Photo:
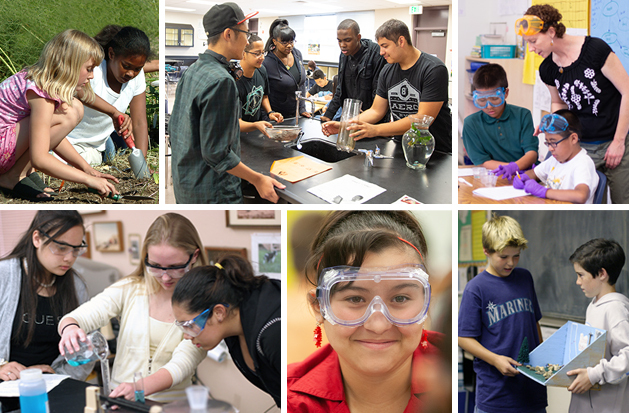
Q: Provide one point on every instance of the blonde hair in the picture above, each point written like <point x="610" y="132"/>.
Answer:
<point x="59" y="66"/>
<point x="501" y="232"/>
<point x="178" y="232"/>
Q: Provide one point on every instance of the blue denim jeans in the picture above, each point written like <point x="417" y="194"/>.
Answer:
<point x="110" y="151"/>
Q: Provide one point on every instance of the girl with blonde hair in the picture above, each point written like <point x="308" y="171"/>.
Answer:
<point x="39" y="106"/>
<point x="149" y="341"/>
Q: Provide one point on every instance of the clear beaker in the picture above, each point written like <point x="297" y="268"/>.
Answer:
<point x="351" y="110"/>
<point x="94" y="348"/>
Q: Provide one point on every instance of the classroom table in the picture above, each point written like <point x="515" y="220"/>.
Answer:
<point x="466" y="195"/>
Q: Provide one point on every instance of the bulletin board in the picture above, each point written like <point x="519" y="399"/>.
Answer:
<point x="610" y="22"/>
<point x="471" y="237"/>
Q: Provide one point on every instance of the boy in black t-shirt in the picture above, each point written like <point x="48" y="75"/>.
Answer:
<point x="253" y="89"/>
<point x="322" y="85"/>
<point x="413" y="83"/>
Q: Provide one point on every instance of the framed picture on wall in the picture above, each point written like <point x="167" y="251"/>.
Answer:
<point x="135" y="247"/>
<point x="255" y="218"/>
<point x="108" y="236"/>
<point x="88" y="253"/>
<point x="214" y="254"/>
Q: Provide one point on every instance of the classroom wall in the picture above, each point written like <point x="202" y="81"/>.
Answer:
<point x="200" y="39"/>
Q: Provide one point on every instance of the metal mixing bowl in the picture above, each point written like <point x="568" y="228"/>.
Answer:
<point x="283" y="133"/>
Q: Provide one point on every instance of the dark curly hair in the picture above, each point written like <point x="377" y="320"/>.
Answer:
<point x="550" y="16"/>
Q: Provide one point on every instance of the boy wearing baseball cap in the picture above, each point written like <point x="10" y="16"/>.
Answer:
<point x="204" y="128"/>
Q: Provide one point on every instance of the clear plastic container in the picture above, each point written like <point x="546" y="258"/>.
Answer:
<point x="33" y="395"/>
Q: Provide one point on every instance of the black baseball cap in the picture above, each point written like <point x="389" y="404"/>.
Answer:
<point x="222" y="16"/>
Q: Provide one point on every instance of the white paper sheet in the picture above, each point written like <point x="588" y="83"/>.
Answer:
<point x="466" y="171"/>
<point x="346" y="190"/>
<point x="500" y="193"/>
<point x="10" y="388"/>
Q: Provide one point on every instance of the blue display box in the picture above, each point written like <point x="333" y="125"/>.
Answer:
<point x="573" y="346"/>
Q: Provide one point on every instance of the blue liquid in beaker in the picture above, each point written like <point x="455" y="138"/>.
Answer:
<point x="139" y="396"/>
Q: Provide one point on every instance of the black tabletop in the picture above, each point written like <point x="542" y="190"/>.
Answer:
<point x="432" y="185"/>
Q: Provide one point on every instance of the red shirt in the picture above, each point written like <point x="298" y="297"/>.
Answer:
<point x="316" y="384"/>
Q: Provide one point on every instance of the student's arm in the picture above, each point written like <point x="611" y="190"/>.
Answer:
<point x="266" y="105"/>
<point x="578" y="195"/>
<point x="364" y="128"/>
<point x="156" y="382"/>
<point x="151" y="66"/>
<point x="616" y="73"/>
<point x="101" y="105"/>
<point x="265" y="185"/>
<point x="137" y="108"/>
<point x="504" y="364"/>
<point x="260" y="125"/>
<point x="40" y="144"/>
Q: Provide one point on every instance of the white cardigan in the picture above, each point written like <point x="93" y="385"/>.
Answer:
<point x="129" y="300"/>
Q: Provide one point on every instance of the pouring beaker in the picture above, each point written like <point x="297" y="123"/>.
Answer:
<point x="351" y="110"/>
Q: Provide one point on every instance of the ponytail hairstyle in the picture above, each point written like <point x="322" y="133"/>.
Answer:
<point x="124" y="41"/>
<point x="54" y="223"/>
<point x="550" y="16"/>
<point x="178" y="232"/>
<point x="346" y="237"/>
<point x="59" y="66"/>
<point x="203" y="287"/>
<point x="280" y="31"/>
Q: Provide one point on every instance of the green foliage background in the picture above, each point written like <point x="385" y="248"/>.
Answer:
<point x="26" y="25"/>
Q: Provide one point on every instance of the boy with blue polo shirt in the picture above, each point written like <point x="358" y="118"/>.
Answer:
<point x="499" y="135"/>
<point x="498" y="311"/>
<point x="598" y="264"/>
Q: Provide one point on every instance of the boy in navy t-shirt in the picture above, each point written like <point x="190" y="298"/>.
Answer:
<point x="499" y="309"/>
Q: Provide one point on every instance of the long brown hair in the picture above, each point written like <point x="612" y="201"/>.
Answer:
<point x="55" y="224"/>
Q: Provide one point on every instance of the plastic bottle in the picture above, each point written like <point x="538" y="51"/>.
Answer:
<point x="33" y="396"/>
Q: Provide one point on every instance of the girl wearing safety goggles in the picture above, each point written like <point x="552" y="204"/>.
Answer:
<point x="584" y="75"/>
<point x="569" y="174"/>
<point x="227" y="301"/>
<point x="372" y="294"/>
<point x="148" y="341"/>
<point x="38" y="283"/>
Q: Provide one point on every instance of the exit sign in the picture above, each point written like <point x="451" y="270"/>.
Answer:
<point x="416" y="10"/>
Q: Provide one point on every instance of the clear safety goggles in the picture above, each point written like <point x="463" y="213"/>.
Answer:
<point x="350" y="295"/>
<point x="553" y="123"/>
<point x="528" y="26"/>
<point x="493" y="98"/>
<point x="63" y="248"/>
<point x="194" y="327"/>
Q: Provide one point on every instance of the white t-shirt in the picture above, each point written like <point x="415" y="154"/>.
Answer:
<point x="96" y="127"/>
<point x="567" y="175"/>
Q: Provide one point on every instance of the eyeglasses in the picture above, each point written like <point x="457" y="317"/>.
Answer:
<point x="290" y="42"/>
<point x="248" y="33"/>
<point x="194" y="327"/>
<point x="256" y="54"/>
<point x="63" y="248"/>
<point x="176" y="271"/>
<point x="554" y="144"/>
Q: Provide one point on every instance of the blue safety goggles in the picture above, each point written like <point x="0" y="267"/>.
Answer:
<point x="493" y="98"/>
<point x="553" y="123"/>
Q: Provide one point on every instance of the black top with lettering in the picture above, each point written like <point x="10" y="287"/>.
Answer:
<point x="426" y="81"/>
<point x="43" y="348"/>
<point x="251" y="91"/>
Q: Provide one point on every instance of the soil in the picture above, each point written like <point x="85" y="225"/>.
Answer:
<point x="73" y="193"/>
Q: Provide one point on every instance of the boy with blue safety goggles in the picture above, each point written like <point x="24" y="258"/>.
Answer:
<point x="569" y="174"/>
<point x="500" y="136"/>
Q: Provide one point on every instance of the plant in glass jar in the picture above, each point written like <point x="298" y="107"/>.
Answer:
<point x="418" y="143"/>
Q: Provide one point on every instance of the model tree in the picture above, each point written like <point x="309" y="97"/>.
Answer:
<point x="523" y="357"/>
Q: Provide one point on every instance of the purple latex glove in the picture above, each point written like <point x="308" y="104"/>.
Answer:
<point x="507" y="171"/>
<point x="535" y="189"/>
<point x="518" y="183"/>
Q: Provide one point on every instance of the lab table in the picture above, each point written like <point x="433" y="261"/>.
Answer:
<point x="432" y="185"/>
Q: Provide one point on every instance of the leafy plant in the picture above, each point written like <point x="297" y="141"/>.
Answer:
<point x="419" y="138"/>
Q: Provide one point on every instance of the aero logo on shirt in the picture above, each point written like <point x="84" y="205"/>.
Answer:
<point x="498" y="312"/>
<point x="404" y="100"/>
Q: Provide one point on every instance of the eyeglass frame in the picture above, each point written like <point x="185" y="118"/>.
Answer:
<point x="76" y="249"/>
<point x="554" y="144"/>
<point x="286" y="43"/>
<point x="205" y="315"/>
<point x="256" y="55"/>
<point x="166" y="269"/>
<point x="247" y="32"/>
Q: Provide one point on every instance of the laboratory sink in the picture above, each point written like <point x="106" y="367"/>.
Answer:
<point x="323" y="150"/>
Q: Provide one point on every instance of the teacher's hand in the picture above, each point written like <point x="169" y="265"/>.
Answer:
<point x="614" y="154"/>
